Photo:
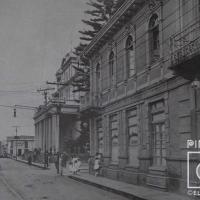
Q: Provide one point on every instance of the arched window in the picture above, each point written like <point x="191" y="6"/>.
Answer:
<point x="154" y="43"/>
<point x="130" y="57"/>
<point x="98" y="77"/>
<point x="111" y="64"/>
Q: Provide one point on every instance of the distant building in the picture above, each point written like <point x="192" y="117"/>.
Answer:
<point x="141" y="115"/>
<point x="18" y="145"/>
<point x="57" y="123"/>
<point x="4" y="148"/>
<point x="1" y="148"/>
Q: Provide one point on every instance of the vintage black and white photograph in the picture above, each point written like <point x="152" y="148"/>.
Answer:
<point x="99" y="99"/>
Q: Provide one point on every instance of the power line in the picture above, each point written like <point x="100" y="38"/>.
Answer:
<point x="45" y="93"/>
<point x="18" y="91"/>
<point x="19" y="107"/>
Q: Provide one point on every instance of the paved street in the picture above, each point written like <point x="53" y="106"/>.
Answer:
<point x="19" y="181"/>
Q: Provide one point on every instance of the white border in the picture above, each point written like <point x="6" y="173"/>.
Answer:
<point x="188" y="169"/>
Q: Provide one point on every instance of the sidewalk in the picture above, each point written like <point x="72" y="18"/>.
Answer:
<point x="127" y="190"/>
<point x="39" y="165"/>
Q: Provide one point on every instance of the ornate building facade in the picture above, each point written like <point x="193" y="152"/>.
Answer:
<point x="57" y="122"/>
<point x="142" y="114"/>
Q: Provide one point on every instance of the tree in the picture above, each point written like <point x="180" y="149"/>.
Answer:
<point x="99" y="15"/>
<point x="117" y="5"/>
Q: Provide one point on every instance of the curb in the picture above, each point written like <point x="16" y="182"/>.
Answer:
<point x="33" y="164"/>
<point x="106" y="188"/>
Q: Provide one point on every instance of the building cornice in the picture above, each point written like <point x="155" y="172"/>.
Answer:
<point x="52" y="109"/>
<point x="127" y="10"/>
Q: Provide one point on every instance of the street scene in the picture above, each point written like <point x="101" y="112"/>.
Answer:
<point x="21" y="182"/>
<point x="99" y="99"/>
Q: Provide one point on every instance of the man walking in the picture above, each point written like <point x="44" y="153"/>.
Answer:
<point x="56" y="161"/>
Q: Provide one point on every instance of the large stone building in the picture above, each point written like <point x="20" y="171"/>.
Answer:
<point x="57" y="121"/>
<point x="141" y="114"/>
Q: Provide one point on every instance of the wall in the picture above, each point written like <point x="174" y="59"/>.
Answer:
<point x="152" y="82"/>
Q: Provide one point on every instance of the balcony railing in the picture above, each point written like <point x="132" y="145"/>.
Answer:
<point x="186" y="44"/>
<point x="89" y="101"/>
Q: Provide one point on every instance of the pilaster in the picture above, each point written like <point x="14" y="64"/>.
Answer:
<point x="122" y="139"/>
<point x="92" y="138"/>
<point x="106" y="140"/>
<point x="56" y="132"/>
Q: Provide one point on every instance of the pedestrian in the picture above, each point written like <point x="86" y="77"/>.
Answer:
<point x="56" y="161"/>
<point x="29" y="159"/>
<point x="61" y="163"/>
<point x="91" y="164"/>
<point x="70" y="166"/>
<point x="100" y="163"/>
<point x="74" y="164"/>
<point x="46" y="159"/>
<point x="97" y="164"/>
<point x="78" y="164"/>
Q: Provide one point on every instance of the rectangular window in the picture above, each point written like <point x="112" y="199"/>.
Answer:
<point x="133" y="139"/>
<point x="114" y="131"/>
<point x="105" y="75"/>
<point x="26" y="144"/>
<point x="158" y="133"/>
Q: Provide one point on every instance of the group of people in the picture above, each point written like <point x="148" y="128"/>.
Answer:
<point x="74" y="165"/>
<point x="61" y="160"/>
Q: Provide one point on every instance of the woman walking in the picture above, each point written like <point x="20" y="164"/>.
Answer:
<point x="97" y="165"/>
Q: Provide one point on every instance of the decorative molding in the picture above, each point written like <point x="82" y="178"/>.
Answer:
<point x="129" y="27"/>
<point x="154" y="4"/>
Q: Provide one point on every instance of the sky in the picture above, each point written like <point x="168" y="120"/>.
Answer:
<point x="34" y="37"/>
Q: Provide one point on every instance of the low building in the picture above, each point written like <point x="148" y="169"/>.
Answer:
<point x="141" y="115"/>
<point x="1" y="148"/>
<point x="57" y="123"/>
<point x="4" y="148"/>
<point x="19" y="145"/>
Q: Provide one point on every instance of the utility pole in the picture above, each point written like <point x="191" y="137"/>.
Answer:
<point x="45" y="93"/>
<point x="63" y="84"/>
<point x="16" y="137"/>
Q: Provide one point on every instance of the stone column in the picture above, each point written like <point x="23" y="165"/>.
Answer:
<point x="50" y="133"/>
<point x="92" y="138"/>
<point x="45" y="134"/>
<point x="56" y="131"/>
<point x="41" y="134"/>
<point x="122" y="139"/>
<point x="96" y="137"/>
<point x="36" y="136"/>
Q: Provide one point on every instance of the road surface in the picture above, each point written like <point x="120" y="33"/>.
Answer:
<point x="19" y="181"/>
